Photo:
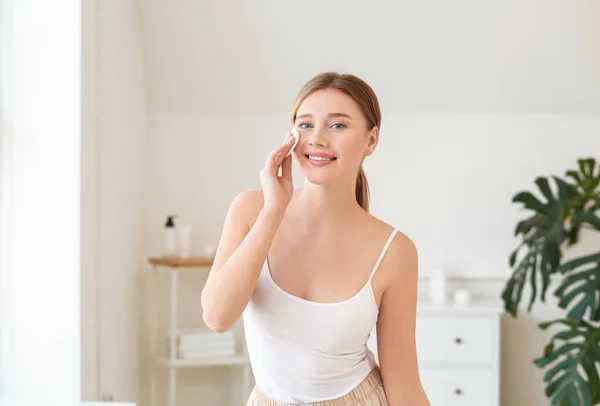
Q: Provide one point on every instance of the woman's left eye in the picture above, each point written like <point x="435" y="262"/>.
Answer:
<point x="337" y="126"/>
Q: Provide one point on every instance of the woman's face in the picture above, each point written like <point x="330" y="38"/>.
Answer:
<point x="334" y="137"/>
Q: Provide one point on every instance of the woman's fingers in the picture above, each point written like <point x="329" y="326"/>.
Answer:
<point x="286" y="167"/>
<point x="278" y="154"/>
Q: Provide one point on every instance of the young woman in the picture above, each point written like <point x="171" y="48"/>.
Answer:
<point x="312" y="272"/>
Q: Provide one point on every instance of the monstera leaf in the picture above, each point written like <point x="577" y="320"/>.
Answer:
<point x="587" y="201"/>
<point x="555" y="220"/>
<point x="542" y="233"/>
<point x="572" y="373"/>
<point x="586" y="180"/>
<point x="580" y="289"/>
<point x="588" y="216"/>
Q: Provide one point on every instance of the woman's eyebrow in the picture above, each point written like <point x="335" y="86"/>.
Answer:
<point x="328" y="115"/>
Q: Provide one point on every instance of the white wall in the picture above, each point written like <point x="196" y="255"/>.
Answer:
<point x="469" y="56"/>
<point x="89" y="203"/>
<point x="120" y="146"/>
<point x="40" y="141"/>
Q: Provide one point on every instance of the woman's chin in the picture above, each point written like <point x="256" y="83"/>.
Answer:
<point x="321" y="179"/>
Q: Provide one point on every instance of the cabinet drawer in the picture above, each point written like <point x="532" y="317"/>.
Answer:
<point x="454" y="339"/>
<point x="458" y="387"/>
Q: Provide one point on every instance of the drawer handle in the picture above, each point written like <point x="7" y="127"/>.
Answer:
<point x="458" y="340"/>
<point x="458" y="391"/>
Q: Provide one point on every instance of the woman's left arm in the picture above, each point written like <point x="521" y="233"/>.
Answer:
<point x="396" y="341"/>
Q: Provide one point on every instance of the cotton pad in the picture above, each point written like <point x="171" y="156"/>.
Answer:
<point x="297" y="137"/>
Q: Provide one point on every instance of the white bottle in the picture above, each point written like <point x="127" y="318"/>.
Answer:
<point x="437" y="286"/>
<point x="170" y="238"/>
<point x="184" y="236"/>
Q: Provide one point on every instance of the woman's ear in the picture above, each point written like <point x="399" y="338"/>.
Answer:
<point x="373" y="139"/>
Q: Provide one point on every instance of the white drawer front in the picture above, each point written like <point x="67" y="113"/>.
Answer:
<point x="454" y="339"/>
<point x="458" y="387"/>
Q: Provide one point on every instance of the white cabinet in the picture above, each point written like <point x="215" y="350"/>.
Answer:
<point x="458" y="348"/>
<point x="458" y="387"/>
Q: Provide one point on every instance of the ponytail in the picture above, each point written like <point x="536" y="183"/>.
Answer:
<point x="362" y="190"/>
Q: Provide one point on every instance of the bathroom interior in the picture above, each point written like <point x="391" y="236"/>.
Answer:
<point x="172" y="110"/>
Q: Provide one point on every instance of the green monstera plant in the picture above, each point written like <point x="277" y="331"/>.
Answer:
<point x="571" y="361"/>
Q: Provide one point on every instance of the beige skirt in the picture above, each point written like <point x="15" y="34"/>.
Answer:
<point x="369" y="392"/>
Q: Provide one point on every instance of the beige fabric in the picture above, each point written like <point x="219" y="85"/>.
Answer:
<point x="369" y="392"/>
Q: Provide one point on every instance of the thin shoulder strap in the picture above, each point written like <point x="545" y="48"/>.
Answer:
<point x="385" y="248"/>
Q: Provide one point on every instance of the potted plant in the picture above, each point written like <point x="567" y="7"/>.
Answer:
<point x="571" y="360"/>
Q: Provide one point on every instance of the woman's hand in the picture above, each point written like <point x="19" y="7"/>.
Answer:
<point x="278" y="189"/>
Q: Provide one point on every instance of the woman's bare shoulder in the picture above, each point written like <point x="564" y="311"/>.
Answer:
<point x="401" y="250"/>
<point x="248" y="204"/>
<point x="251" y="202"/>
<point x="379" y="226"/>
<point x="251" y="197"/>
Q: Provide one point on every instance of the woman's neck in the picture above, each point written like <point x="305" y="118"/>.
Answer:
<point x="326" y="207"/>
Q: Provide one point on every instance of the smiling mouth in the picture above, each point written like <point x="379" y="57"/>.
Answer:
<point x="319" y="158"/>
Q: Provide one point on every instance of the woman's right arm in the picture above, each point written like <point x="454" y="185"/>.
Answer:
<point x="238" y="262"/>
<point x="248" y="232"/>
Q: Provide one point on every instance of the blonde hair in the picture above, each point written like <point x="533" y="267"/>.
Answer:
<point x="366" y="99"/>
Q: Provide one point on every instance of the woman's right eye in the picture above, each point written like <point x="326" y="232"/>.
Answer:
<point x="303" y="125"/>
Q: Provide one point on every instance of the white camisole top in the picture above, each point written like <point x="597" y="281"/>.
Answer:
<point x="303" y="351"/>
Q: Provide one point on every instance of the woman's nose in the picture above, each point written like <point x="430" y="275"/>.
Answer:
<point x="317" y="137"/>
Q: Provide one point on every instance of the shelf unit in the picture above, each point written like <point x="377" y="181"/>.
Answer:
<point x="174" y="265"/>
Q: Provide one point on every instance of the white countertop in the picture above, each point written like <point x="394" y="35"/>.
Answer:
<point x="475" y="306"/>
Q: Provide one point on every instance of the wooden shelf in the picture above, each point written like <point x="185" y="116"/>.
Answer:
<point x="161" y="359"/>
<point x="204" y="362"/>
<point x="177" y="262"/>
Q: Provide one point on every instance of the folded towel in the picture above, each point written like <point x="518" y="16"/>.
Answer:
<point x="193" y="346"/>
<point x="206" y="338"/>
<point x="201" y="343"/>
<point x="225" y="352"/>
<point x="202" y="336"/>
<point x="197" y="331"/>
<point x="200" y="333"/>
